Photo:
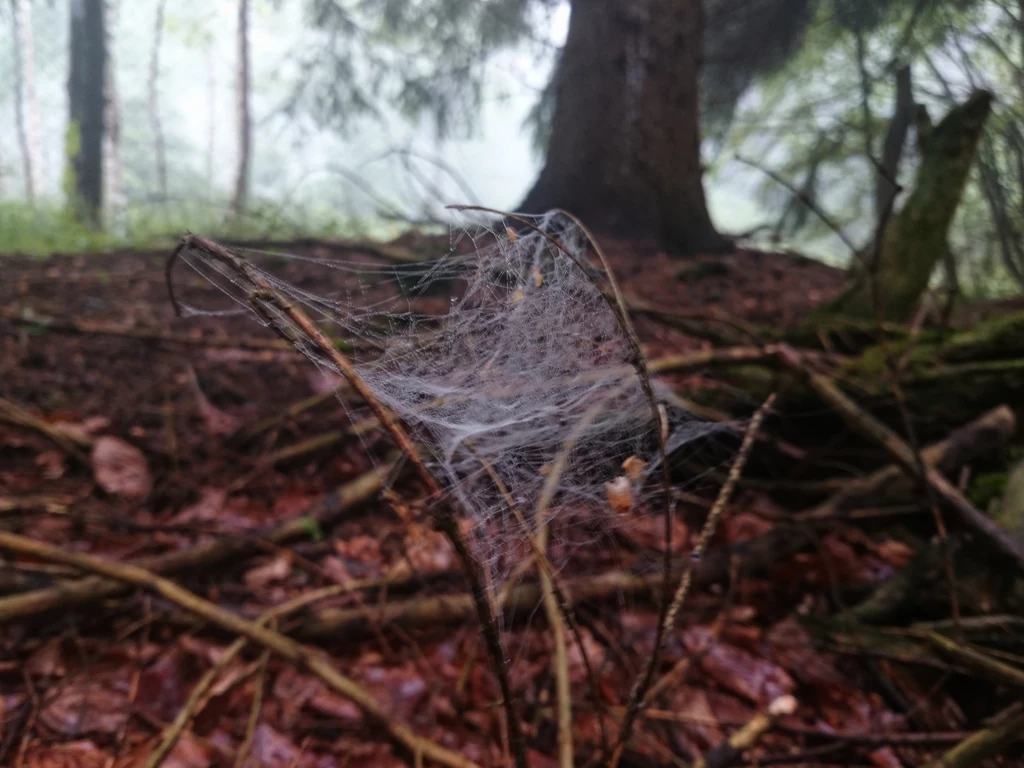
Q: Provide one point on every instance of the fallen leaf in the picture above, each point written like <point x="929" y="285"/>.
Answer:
<point x="217" y="422"/>
<point x="120" y="468"/>
<point x="270" y="747"/>
<point x="209" y="506"/>
<point x="338" y="708"/>
<point x="275" y="570"/>
<point x="75" y="754"/>
<point x="48" y="661"/>
<point x="753" y="677"/>
<point x="87" y="706"/>
<point x="620" y="494"/>
<point x="428" y="553"/>
<point x="52" y="463"/>
<point x="634" y="468"/>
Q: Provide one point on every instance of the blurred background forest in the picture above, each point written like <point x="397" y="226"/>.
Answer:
<point x="315" y="117"/>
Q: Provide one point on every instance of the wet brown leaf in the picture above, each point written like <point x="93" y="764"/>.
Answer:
<point x="120" y="468"/>
<point x="76" y="754"/>
<point x="753" y="677"/>
<point x="272" y="748"/>
<point x="274" y="570"/>
<point x="87" y="706"/>
<point x="52" y="463"/>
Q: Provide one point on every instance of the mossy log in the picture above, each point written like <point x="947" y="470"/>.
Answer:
<point x="891" y="281"/>
<point x="948" y="379"/>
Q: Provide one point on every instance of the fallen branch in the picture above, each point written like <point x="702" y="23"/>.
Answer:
<point x="92" y="328"/>
<point x="994" y="428"/>
<point x="869" y="427"/>
<point x="756" y="555"/>
<point x="72" y="444"/>
<point x="308" y="659"/>
<point x="322" y="514"/>
<point x="981" y="745"/>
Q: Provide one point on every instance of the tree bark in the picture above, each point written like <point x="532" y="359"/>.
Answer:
<point x="86" y="83"/>
<point x="153" y="102"/>
<point x="26" y="104"/>
<point x="915" y="239"/>
<point x="624" y="153"/>
<point x="238" y="200"/>
<point x="114" y="166"/>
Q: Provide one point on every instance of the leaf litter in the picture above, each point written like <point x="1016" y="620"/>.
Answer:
<point x="163" y="469"/>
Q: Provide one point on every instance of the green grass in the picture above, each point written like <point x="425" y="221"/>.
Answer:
<point x="44" y="229"/>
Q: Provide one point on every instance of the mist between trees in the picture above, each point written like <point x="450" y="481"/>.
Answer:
<point x="320" y="117"/>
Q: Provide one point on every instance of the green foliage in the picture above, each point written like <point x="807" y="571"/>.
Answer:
<point x="819" y="114"/>
<point x="427" y="58"/>
<point x="42" y="229"/>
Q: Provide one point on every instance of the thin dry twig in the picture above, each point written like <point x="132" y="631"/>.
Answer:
<point x="193" y="704"/>
<point x="748" y="735"/>
<point x="981" y="745"/>
<point x="254" y="711"/>
<point x="321" y="514"/>
<point x="310" y="660"/>
<point x="72" y="444"/>
<point x="803" y="198"/>
<point x="711" y="524"/>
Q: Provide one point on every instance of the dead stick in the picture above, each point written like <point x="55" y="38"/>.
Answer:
<point x="747" y="736"/>
<point x="868" y="426"/>
<point x="70" y="443"/>
<point x="272" y="307"/>
<point x="981" y="745"/>
<point x="638" y="696"/>
<point x="306" y="658"/>
<point x="992" y="429"/>
<point x="756" y="555"/>
<point x="92" y="589"/>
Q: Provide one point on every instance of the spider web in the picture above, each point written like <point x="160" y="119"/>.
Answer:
<point x="502" y="356"/>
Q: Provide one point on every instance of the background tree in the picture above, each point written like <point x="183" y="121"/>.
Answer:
<point x="153" y="102"/>
<point x="86" y="85"/>
<point x="630" y="68"/>
<point x="624" y="152"/>
<point x="243" y="116"/>
<point x="26" y="102"/>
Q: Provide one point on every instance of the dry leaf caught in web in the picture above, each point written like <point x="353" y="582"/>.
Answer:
<point x="620" y="494"/>
<point x="634" y="468"/>
<point x="120" y="468"/>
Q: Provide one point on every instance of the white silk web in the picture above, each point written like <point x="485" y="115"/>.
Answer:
<point x="524" y="362"/>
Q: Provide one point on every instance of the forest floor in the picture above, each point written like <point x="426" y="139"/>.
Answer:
<point x="135" y="436"/>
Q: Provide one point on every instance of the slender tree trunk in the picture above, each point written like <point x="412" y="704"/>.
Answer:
<point x="86" y="80"/>
<point x="895" y="138"/>
<point x="26" y="103"/>
<point x="211" y="112"/>
<point x="242" y="170"/>
<point x="624" y="153"/>
<point x="153" y="100"/>
<point x="114" y="166"/>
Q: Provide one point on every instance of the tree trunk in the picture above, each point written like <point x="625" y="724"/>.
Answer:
<point x="244" y="119"/>
<point x="26" y="104"/>
<point x="624" y="153"/>
<point x="86" y="82"/>
<point x="914" y="240"/>
<point x="114" y="171"/>
<point x="153" y="102"/>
